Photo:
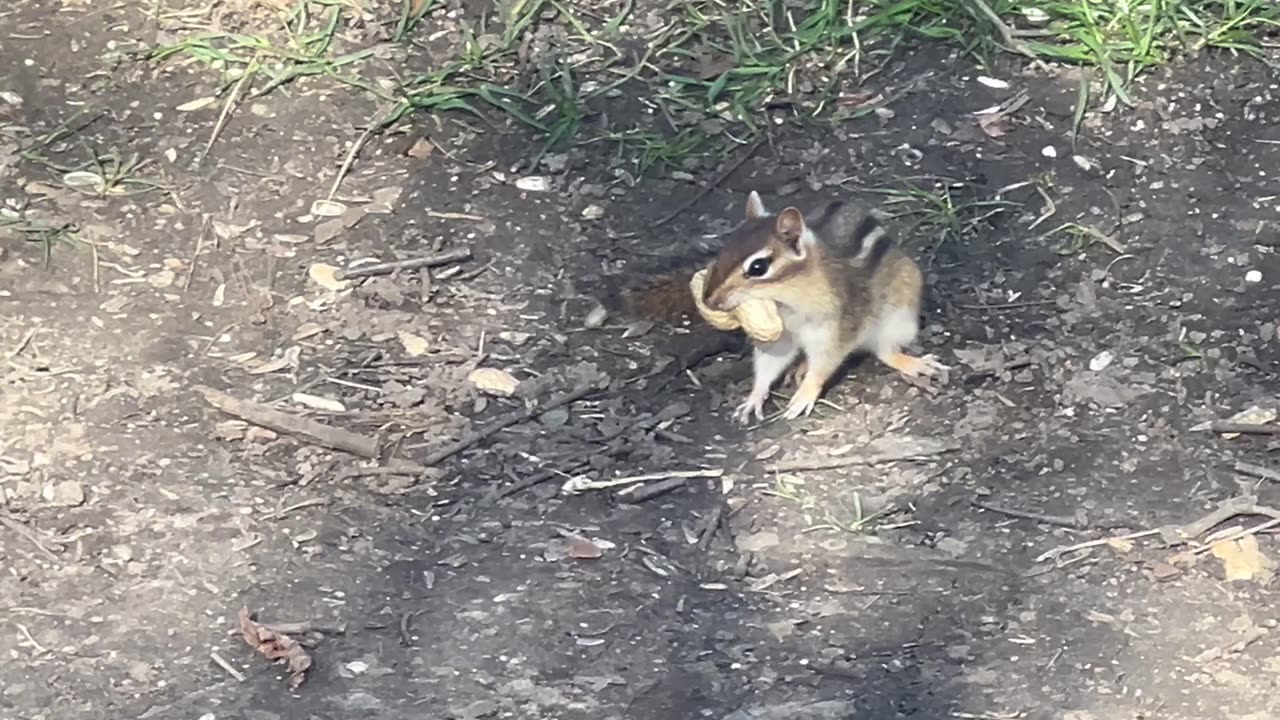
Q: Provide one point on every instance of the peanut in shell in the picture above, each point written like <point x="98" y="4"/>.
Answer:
<point x="759" y="319"/>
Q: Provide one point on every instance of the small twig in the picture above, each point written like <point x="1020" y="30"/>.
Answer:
<point x="313" y="502"/>
<point x="27" y="337"/>
<point x="1223" y="426"/>
<point x="709" y="527"/>
<point x="641" y="493"/>
<point x="496" y="493"/>
<point x="355" y="150"/>
<point x="582" y="484"/>
<point x="40" y="649"/>
<point x="1006" y="306"/>
<point x="97" y="268"/>
<point x="453" y="216"/>
<point x="1060" y="551"/>
<point x="1257" y="471"/>
<point x="305" y="626"/>
<point x="873" y="458"/>
<point x="503" y="423"/>
<point x="398" y="468"/>
<point x="301" y="427"/>
<point x="406" y="639"/>
<point x="1232" y="537"/>
<point x="220" y="662"/>
<point x="1050" y="208"/>
<point x="1235" y="507"/>
<point x="29" y="535"/>
<point x="195" y="257"/>
<point x="232" y="100"/>
<point x="386" y="268"/>
<point x="720" y="177"/>
<point x="1059" y="520"/>
<point x="1250" y="636"/>
<point x="1008" y="34"/>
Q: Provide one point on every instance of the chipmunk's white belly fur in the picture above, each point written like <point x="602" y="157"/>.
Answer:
<point x="894" y="329"/>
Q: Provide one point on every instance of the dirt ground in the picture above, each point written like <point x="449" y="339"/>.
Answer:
<point x="139" y="519"/>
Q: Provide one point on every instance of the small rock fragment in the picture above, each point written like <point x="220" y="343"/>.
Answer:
<point x="534" y="183"/>
<point x="596" y="318"/>
<point x="494" y="381"/>
<point x="67" y="493"/>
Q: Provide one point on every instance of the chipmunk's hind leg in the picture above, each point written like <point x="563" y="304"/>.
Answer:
<point x="896" y="329"/>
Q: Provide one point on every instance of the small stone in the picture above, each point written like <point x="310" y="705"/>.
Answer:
<point x="64" y="494"/>
<point x="953" y="546"/>
<point x="596" y="317"/>
<point x="534" y="183"/>
<point x="1049" y="151"/>
<point x="755" y="542"/>
<point x="1253" y="276"/>
<point x="592" y="212"/>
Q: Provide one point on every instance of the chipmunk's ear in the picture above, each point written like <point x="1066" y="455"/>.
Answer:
<point x="791" y="229"/>
<point x="755" y="206"/>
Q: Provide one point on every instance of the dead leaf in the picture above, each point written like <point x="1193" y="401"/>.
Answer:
<point x="287" y="359"/>
<point x="713" y="66"/>
<point x="421" y="149"/>
<point x="388" y="196"/>
<point x="413" y="344"/>
<point x="1253" y="416"/>
<point x="307" y="330"/>
<point x="197" y="104"/>
<point x="276" y="646"/>
<point x="1164" y="572"/>
<point x="319" y="403"/>
<point x="1243" y="560"/>
<point x="994" y="125"/>
<point x="328" y="208"/>
<point x="582" y="548"/>
<point x="637" y="329"/>
<point x="328" y="230"/>
<point x="326" y="276"/>
<point x="494" y="381"/>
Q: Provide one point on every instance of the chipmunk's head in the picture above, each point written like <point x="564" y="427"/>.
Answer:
<point x="764" y="253"/>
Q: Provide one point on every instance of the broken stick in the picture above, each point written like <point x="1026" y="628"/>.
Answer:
<point x="501" y="424"/>
<point x="1224" y="427"/>
<point x="386" y="268"/>
<point x="301" y="427"/>
<point x="1178" y="534"/>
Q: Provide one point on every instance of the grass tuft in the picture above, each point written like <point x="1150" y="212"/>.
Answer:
<point x="709" y="74"/>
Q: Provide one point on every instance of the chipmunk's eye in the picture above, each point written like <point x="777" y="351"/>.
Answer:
<point x="758" y="267"/>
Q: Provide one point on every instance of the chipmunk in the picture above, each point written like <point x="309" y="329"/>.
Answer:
<point x="841" y="286"/>
<point x="832" y="304"/>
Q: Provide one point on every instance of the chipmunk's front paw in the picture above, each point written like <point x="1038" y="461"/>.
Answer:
<point x="754" y="405"/>
<point x="802" y="403"/>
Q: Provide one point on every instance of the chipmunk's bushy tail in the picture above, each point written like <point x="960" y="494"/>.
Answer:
<point x="665" y="298"/>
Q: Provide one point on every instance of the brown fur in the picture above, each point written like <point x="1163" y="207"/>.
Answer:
<point x="839" y="225"/>
<point x="666" y="298"/>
